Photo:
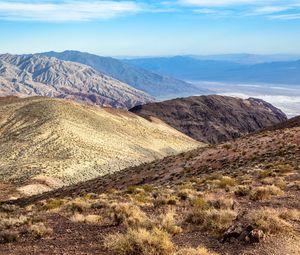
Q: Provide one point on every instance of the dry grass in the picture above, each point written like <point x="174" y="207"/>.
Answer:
<point x="140" y="242"/>
<point x="212" y="220"/>
<point x="39" y="230"/>
<point x="227" y="181"/>
<point x="270" y="221"/>
<point x="91" y="218"/>
<point x="78" y="205"/>
<point x="265" y="192"/>
<point x="128" y="215"/>
<point x="168" y="223"/>
<point x="197" y="251"/>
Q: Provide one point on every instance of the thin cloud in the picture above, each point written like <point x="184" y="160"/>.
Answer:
<point x="216" y="3"/>
<point x="292" y="16"/>
<point x="66" y="10"/>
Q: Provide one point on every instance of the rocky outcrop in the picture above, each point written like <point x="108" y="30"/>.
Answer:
<point x="213" y="119"/>
<point x="31" y="75"/>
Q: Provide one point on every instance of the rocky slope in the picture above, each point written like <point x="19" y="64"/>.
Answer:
<point x="213" y="119"/>
<point x="62" y="142"/>
<point x="156" y="85"/>
<point x="31" y="75"/>
<point x="241" y="197"/>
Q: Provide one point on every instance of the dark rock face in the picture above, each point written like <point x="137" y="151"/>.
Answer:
<point x="214" y="119"/>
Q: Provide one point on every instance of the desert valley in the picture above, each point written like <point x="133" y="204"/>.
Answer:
<point x="138" y="127"/>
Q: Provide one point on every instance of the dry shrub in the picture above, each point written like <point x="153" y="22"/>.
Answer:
<point x="284" y="168"/>
<point x="265" y="192"/>
<point x="8" y="236"/>
<point x="200" y="203"/>
<point x="279" y="182"/>
<point x="7" y="222"/>
<point x="242" y="190"/>
<point x="227" y="181"/>
<point x="39" y="230"/>
<point x="168" y="223"/>
<point x="212" y="220"/>
<point x="141" y="242"/>
<point x="52" y="204"/>
<point x="222" y="203"/>
<point x="128" y="215"/>
<point x="185" y="194"/>
<point x="289" y="214"/>
<point x="78" y="205"/>
<point x="197" y="251"/>
<point x="91" y="218"/>
<point x="269" y="221"/>
<point x="165" y="199"/>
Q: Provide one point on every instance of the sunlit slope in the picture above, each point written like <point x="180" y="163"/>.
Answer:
<point x="73" y="142"/>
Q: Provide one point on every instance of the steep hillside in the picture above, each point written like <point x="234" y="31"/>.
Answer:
<point x="152" y="83"/>
<point x="30" y="75"/>
<point x="241" y="197"/>
<point x="69" y="142"/>
<point x="213" y="119"/>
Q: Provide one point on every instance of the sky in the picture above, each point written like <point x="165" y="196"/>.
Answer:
<point x="151" y="28"/>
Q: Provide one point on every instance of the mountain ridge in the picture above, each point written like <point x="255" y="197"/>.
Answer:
<point x="154" y="84"/>
<point x="32" y="75"/>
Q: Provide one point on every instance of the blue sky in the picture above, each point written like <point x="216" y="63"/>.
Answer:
<point x="151" y="28"/>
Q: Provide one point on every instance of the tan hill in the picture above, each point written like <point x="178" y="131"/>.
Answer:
<point x="32" y="75"/>
<point x="240" y="197"/>
<point x="213" y="119"/>
<point x="71" y="142"/>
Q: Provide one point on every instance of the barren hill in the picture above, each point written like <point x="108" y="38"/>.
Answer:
<point x="32" y="75"/>
<point x="71" y="142"/>
<point x="213" y="119"/>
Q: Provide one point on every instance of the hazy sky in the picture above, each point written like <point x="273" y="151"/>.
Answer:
<point x="151" y="27"/>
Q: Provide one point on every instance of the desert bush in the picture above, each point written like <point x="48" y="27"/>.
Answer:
<point x="197" y="251"/>
<point x="284" y="168"/>
<point x="265" y="192"/>
<point x="242" y="190"/>
<point x="199" y="203"/>
<point x="39" y="230"/>
<point x="128" y="215"/>
<point x="227" y="181"/>
<point x="78" y="205"/>
<point x="269" y="221"/>
<point x="52" y="204"/>
<point x="289" y="214"/>
<point x="165" y="199"/>
<point x="7" y="222"/>
<point x="279" y="182"/>
<point x="266" y="173"/>
<point x="140" y="241"/>
<point x="222" y="203"/>
<point x="168" y="223"/>
<point x="8" y="236"/>
<point x="91" y="218"/>
<point x="212" y="220"/>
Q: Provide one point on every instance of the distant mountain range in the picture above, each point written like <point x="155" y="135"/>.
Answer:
<point x="229" y="69"/>
<point x="33" y="75"/>
<point x="213" y="119"/>
<point x="157" y="85"/>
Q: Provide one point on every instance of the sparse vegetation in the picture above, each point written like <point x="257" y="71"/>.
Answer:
<point x="140" y="241"/>
<point x="265" y="192"/>
<point x="128" y="215"/>
<point x="212" y="220"/>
